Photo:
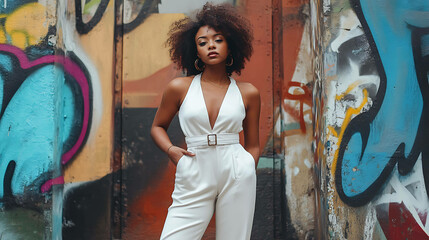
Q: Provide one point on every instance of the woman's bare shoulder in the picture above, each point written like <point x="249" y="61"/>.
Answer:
<point x="247" y="89"/>
<point x="249" y="93"/>
<point x="179" y="85"/>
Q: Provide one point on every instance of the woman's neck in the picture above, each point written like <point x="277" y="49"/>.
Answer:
<point x="215" y="74"/>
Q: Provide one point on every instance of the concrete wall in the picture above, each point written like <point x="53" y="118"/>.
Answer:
<point x="343" y="86"/>
<point x="56" y="119"/>
<point x="372" y="119"/>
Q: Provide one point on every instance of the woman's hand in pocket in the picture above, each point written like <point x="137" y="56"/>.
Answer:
<point x="175" y="153"/>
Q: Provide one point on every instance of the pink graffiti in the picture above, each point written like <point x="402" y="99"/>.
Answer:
<point x="48" y="184"/>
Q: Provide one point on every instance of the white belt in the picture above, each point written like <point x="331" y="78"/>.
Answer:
<point x="212" y="139"/>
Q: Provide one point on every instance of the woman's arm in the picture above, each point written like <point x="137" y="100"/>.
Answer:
<point x="168" y="108"/>
<point x="251" y="122"/>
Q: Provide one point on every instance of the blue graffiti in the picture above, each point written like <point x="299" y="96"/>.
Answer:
<point x="27" y="130"/>
<point x="41" y="119"/>
<point x="394" y="129"/>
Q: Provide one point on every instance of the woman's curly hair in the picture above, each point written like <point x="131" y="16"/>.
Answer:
<point x="223" y="18"/>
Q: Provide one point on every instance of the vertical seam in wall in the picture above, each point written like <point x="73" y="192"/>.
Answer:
<point x="314" y="120"/>
<point x="57" y="192"/>
<point x="277" y="71"/>
<point x="273" y="108"/>
<point x="117" y="193"/>
<point x="318" y="62"/>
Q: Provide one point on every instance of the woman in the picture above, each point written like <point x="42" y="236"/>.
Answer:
<point x="215" y="172"/>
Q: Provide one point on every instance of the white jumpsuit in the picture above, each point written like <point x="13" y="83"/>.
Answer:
<point x="219" y="177"/>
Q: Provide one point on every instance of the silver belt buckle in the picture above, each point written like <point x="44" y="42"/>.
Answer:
<point x="212" y="139"/>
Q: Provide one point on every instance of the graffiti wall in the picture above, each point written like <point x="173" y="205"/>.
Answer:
<point x="372" y="147"/>
<point x="343" y="86"/>
<point x="45" y="119"/>
<point x="55" y="119"/>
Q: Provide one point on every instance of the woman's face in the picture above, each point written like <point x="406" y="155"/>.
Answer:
<point x="212" y="47"/>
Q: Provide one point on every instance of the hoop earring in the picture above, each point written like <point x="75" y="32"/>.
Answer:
<point x="196" y="65"/>
<point x="230" y="64"/>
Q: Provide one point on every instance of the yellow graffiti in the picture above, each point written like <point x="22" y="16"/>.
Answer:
<point x="25" y="26"/>
<point x="349" y="113"/>
<point x="348" y="90"/>
<point x="333" y="131"/>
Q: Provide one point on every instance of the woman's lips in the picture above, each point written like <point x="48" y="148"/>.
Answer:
<point x="212" y="54"/>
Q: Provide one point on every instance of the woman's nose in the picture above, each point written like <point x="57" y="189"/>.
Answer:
<point x="211" y="44"/>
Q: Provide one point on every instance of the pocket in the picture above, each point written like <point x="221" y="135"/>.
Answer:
<point x="251" y="158"/>
<point x="243" y="165"/>
<point x="248" y="164"/>
<point x="179" y="161"/>
<point x="179" y="172"/>
<point x="186" y="173"/>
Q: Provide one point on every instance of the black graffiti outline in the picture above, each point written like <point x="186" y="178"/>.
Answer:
<point x="8" y="197"/>
<point x="361" y="123"/>
<point x="84" y="28"/>
<point x="149" y="7"/>
<point x="421" y="146"/>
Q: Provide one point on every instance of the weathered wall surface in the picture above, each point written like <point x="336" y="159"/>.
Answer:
<point x="295" y="121"/>
<point x="372" y="124"/>
<point x="47" y="101"/>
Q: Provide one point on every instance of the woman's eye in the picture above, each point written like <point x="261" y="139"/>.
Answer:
<point x="201" y="44"/>
<point x="219" y="40"/>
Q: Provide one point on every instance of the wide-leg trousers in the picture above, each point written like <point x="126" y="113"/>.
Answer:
<point x="218" y="178"/>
